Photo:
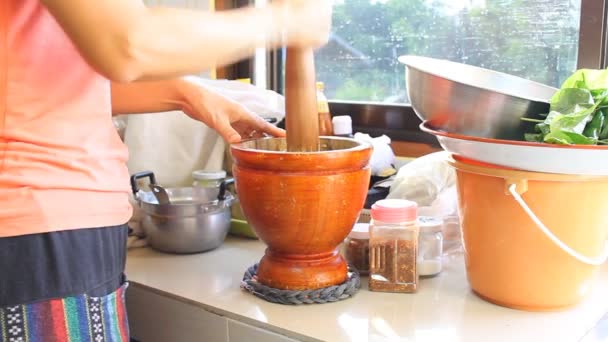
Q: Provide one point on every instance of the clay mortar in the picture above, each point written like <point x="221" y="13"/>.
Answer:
<point x="302" y="205"/>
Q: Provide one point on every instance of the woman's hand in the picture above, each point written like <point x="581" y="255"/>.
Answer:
<point x="230" y="119"/>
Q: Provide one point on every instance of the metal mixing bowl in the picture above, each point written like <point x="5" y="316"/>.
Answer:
<point x="195" y="220"/>
<point x="464" y="99"/>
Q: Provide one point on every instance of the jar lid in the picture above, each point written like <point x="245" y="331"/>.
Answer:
<point x="428" y="223"/>
<point x="342" y="124"/>
<point x="342" y="119"/>
<point x="360" y="231"/>
<point x="394" y="210"/>
<point x="208" y="175"/>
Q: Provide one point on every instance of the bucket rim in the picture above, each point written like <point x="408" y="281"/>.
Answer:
<point x="497" y="171"/>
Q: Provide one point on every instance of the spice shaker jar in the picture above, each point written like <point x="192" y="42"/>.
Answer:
<point x="430" y="246"/>
<point x="207" y="183"/>
<point x="393" y="244"/>
<point x="356" y="248"/>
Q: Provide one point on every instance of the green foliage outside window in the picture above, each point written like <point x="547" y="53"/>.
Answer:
<point x="534" y="39"/>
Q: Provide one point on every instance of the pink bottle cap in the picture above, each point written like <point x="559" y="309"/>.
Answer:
<point x="394" y="210"/>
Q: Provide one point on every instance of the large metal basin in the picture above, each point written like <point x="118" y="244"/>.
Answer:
<point x="464" y="99"/>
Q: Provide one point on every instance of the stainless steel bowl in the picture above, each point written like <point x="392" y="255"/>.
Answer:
<point x="464" y="99"/>
<point x="194" y="221"/>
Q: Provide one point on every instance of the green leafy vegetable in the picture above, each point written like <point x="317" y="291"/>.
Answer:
<point x="592" y="130"/>
<point x="587" y="79"/>
<point x="604" y="129"/>
<point x="578" y="111"/>
<point x="571" y="100"/>
<point x="567" y="138"/>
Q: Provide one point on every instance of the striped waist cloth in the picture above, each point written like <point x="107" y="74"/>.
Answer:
<point x="79" y="318"/>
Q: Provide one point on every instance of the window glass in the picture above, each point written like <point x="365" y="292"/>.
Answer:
<point x="534" y="39"/>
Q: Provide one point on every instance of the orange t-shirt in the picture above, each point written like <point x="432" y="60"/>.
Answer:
<point x="62" y="163"/>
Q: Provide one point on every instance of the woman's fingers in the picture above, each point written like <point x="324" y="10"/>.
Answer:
<point x="270" y="129"/>
<point x="225" y="129"/>
<point x="253" y="126"/>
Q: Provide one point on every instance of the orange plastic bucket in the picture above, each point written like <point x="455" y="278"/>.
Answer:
<point x="532" y="240"/>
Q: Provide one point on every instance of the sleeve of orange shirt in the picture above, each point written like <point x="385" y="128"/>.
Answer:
<point x="229" y="118"/>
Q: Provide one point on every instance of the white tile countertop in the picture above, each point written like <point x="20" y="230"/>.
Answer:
<point x="444" y="308"/>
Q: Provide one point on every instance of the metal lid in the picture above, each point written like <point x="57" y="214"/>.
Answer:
<point x="360" y="231"/>
<point x="208" y="175"/>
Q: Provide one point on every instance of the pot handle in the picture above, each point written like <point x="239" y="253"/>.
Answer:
<point x="223" y="188"/>
<point x="140" y="175"/>
<point x="595" y="261"/>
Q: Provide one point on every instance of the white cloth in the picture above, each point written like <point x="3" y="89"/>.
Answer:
<point x="172" y="145"/>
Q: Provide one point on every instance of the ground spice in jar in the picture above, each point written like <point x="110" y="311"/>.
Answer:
<point x="357" y="254"/>
<point x="393" y="244"/>
<point x="356" y="247"/>
<point x="393" y="265"/>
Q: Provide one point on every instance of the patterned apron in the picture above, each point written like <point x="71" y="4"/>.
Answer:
<point x="72" y="319"/>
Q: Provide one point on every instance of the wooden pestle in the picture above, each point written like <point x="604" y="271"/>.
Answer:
<point x="301" y="117"/>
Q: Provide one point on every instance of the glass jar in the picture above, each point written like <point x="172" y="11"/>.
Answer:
<point x="356" y="248"/>
<point x="207" y="183"/>
<point x="430" y="243"/>
<point x="325" y="125"/>
<point x="393" y="244"/>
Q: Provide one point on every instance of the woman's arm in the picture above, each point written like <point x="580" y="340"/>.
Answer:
<point x="230" y="119"/>
<point x="126" y="41"/>
<point x="147" y="96"/>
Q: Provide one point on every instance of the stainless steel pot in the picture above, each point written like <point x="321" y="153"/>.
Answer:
<point x="194" y="221"/>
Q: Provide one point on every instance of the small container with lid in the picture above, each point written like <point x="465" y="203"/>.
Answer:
<point x="356" y="248"/>
<point x="343" y="126"/>
<point x="430" y="243"/>
<point x="393" y="244"/>
<point x="207" y="183"/>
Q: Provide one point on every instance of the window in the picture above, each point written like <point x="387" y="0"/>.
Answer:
<point x="537" y="40"/>
<point x="541" y="40"/>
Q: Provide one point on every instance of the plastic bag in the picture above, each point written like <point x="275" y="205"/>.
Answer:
<point x="383" y="157"/>
<point x="431" y="182"/>
<point x="422" y="179"/>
